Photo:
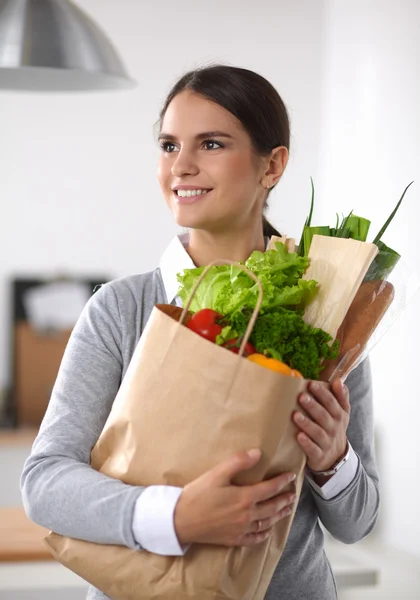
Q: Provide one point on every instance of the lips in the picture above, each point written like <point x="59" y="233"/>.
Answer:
<point x="186" y="188"/>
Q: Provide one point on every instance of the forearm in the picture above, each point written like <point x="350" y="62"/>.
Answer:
<point x="72" y="499"/>
<point x="59" y="488"/>
<point x="352" y="514"/>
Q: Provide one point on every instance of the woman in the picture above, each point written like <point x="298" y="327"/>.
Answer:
<point x="224" y="137"/>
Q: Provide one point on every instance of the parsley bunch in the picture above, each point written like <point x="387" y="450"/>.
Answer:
<point x="284" y="334"/>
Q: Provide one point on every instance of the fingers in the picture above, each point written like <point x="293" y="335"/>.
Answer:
<point x="325" y="408"/>
<point x="270" y="488"/>
<point x="315" y="432"/>
<point x="267" y="525"/>
<point x="270" y="508"/>
<point x="252" y="539"/>
<point x="224" y="472"/>
<point x="317" y="413"/>
<point x="269" y="522"/>
<point x="313" y="452"/>
<point x="342" y="394"/>
<point x="334" y="398"/>
<point x="326" y="397"/>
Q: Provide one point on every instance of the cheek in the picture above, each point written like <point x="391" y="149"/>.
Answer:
<point x="239" y="183"/>
<point x="163" y="172"/>
<point x="163" y="177"/>
<point x="240" y="172"/>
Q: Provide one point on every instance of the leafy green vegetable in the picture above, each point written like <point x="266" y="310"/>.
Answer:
<point x="383" y="263"/>
<point x="391" y="216"/>
<point x="343" y="231"/>
<point x="301" y="248"/>
<point x="356" y="228"/>
<point x="208" y="290"/>
<point x="228" y="289"/>
<point x="285" y="334"/>
<point x="359" y="228"/>
<point x="271" y="353"/>
<point x="226" y="335"/>
<point x="280" y="330"/>
<point x="308" y="234"/>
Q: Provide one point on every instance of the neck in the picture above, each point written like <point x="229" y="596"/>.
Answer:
<point x="205" y="247"/>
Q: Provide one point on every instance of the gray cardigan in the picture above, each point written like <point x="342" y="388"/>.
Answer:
<point x="63" y="493"/>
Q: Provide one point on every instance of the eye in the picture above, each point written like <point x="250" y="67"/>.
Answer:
<point x="167" y="147"/>
<point x="212" y="144"/>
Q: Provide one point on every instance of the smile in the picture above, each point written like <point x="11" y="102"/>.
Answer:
<point x="189" y="193"/>
<point x="189" y="196"/>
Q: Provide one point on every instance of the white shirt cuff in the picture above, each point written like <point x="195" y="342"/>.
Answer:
<point x="153" y="520"/>
<point x="338" y="482"/>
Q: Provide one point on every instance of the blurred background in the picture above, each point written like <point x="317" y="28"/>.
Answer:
<point x="80" y="205"/>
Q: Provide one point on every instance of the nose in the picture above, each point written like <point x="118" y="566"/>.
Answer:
<point x="184" y="164"/>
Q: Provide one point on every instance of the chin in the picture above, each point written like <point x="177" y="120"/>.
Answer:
<point x="192" y="224"/>
<point x="191" y="221"/>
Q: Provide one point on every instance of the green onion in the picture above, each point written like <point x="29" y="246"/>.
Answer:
<point x="391" y="216"/>
<point x="309" y="219"/>
<point x="383" y="263"/>
<point x="359" y="228"/>
<point x="308" y="234"/>
<point x="307" y="222"/>
<point x="343" y="231"/>
<point x="356" y="228"/>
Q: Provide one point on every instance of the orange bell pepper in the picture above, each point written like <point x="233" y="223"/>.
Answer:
<point x="274" y="365"/>
<point x="296" y="373"/>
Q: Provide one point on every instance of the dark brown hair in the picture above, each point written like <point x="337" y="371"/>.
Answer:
<point x="250" y="98"/>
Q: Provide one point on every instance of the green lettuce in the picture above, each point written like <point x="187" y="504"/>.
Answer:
<point x="228" y="290"/>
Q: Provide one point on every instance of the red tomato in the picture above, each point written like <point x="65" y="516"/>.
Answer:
<point x="205" y="322"/>
<point x="234" y="345"/>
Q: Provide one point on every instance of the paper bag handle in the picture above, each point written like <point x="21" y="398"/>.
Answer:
<point x="254" y="316"/>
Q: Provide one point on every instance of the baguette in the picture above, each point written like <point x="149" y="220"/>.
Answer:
<point x="364" y="315"/>
<point x="174" y="312"/>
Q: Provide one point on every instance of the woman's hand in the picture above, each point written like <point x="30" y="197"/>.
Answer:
<point x="211" y="510"/>
<point x="322" y="433"/>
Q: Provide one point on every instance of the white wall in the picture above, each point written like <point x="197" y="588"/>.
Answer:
<point x="370" y="152"/>
<point x="78" y="190"/>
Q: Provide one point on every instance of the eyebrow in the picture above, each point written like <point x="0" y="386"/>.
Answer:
<point x="200" y="136"/>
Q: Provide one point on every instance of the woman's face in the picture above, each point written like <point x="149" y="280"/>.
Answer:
<point x="208" y="171"/>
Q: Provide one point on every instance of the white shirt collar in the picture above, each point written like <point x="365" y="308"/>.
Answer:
<point x="173" y="261"/>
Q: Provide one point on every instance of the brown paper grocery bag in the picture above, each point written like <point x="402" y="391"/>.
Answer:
<point x="184" y="406"/>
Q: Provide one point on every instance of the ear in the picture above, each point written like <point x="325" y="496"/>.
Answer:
<point x="275" y="165"/>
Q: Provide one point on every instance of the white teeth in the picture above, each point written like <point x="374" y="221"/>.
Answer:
<point x="189" y="193"/>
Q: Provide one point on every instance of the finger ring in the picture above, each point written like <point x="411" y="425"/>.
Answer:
<point x="259" y="525"/>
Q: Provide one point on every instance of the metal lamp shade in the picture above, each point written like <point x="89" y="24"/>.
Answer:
<point x="52" y="45"/>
